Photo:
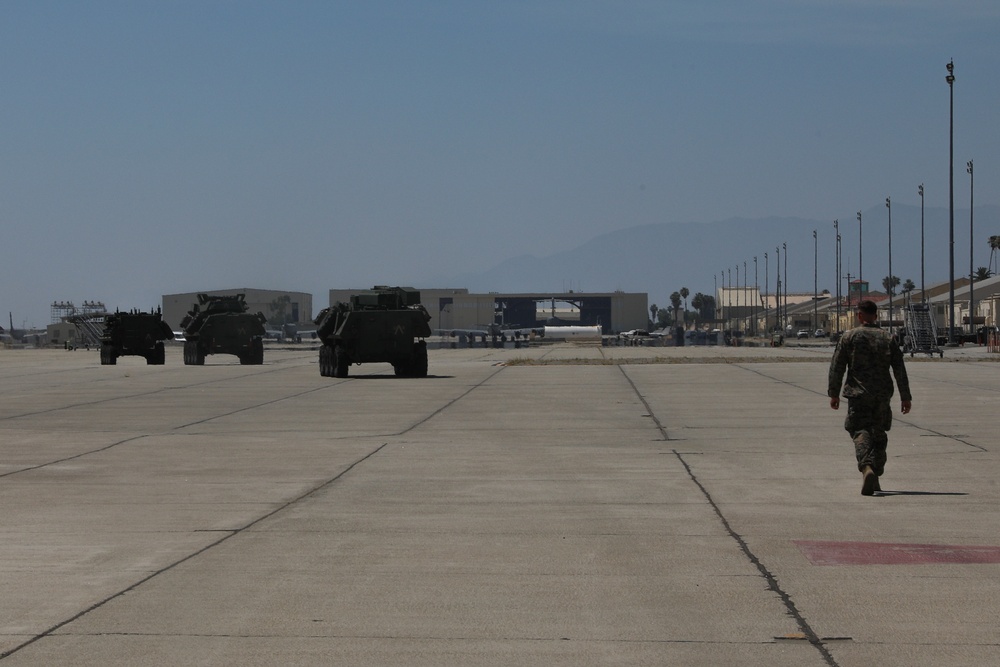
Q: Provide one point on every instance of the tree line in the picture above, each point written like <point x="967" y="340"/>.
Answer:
<point x="678" y="313"/>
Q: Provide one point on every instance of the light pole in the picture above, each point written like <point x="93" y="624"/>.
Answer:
<point x="860" y="279"/>
<point x="729" y="300"/>
<point x="746" y="297"/>
<point x="923" y="293"/>
<point x="777" y="291"/>
<point x="951" y="201"/>
<point x="815" y="281"/>
<point x="784" y="319"/>
<point x="767" y="279"/>
<point x="836" y="265"/>
<point x="738" y="323"/>
<point x="756" y="298"/>
<point x="972" y="269"/>
<point x="888" y="205"/>
<point x="723" y="302"/>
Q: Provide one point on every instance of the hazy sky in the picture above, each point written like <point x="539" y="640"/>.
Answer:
<point x="171" y="146"/>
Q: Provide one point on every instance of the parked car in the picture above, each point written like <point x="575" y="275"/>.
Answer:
<point x="820" y="333"/>
<point x="803" y="333"/>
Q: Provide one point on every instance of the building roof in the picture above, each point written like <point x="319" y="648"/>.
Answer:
<point x="981" y="289"/>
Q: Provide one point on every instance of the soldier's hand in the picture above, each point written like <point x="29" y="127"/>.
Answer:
<point x="835" y="402"/>
<point x="906" y="406"/>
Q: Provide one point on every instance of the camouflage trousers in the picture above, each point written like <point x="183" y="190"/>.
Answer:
<point x="868" y="421"/>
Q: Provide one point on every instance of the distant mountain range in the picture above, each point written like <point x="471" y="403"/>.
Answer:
<point x="662" y="258"/>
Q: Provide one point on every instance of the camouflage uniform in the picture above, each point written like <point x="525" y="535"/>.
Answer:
<point x="867" y="353"/>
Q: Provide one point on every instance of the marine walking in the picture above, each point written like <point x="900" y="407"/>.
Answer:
<point x="867" y="353"/>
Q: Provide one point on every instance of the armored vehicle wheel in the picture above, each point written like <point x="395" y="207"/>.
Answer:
<point x="192" y="355"/>
<point x="108" y="356"/>
<point x="157" y="357"/>
<point x="419" y="363"/>
<point x="326" y="361"/>
<point x="254" y="356"/>
<point x="341" y="363"/>
<point x="416" y="365"/>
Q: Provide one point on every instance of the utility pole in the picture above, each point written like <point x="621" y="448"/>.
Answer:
<point x="777" y="292"/>
<point x="767" y="279"/>
<point x="972" y="266"/>
<point x="923" y="291"/>
<point x="860" y="279"/>
<point x="888" y="205"/>
<point x="815" y="282"/>
<point x="836" y="229"/>
<point x="951" y="202"/>
<point x="784" y="320"/>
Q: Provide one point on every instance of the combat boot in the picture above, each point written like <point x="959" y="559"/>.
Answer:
<point x="870" y="483"/>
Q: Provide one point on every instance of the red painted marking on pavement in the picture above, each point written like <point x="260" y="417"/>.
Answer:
<point x="878" y="553"/>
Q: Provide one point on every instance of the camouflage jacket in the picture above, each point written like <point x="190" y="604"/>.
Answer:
<point x="867" y="353"/>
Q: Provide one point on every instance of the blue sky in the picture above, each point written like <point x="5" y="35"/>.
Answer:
<point x="162" y="147"/>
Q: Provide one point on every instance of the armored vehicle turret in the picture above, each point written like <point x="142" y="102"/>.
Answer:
<point x="134" y="333"/>
<point x="222" y="325"/>
<point x="380" y="325"/>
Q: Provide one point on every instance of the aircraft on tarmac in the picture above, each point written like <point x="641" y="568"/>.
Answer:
<point x="288" y="333"/>
<point x="497" y="333"/>
<point x="500" y="334"/>
<point x="565" y="331"/>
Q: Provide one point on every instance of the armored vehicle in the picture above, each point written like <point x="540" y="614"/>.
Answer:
<point x="222" y="325"/>
<point x="135" y="333"/>
<point x="379" y="325"/>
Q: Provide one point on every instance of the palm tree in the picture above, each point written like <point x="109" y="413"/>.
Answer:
<point x="697" y="302"/>
<point x="994" y="246"/>
<point x="982" y="273"/>
<point x="908" y="287"/>
<point x="709" y="306"/>
<point x="675" y="301"/>
<point x="652" y="312"/>
<point x="684" y="295"/>
<point x="890" y="285"/>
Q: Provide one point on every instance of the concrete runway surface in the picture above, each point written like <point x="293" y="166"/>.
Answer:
<point x="587" y="508"/>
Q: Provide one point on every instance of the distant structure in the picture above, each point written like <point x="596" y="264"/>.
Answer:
<point x="456" y="308"/>
<point x="72" y="327"/>
<point x="282" y="309"/>
<point x="61" y="310"/>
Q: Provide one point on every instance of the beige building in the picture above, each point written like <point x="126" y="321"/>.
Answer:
<point x="62" y="334"/>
